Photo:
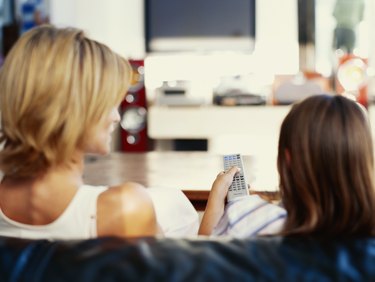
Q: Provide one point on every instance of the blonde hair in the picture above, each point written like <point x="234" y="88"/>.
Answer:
<point x="326" y="167"/>
<point x="56" y="84"/>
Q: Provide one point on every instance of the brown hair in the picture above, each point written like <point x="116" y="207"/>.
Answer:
<point x="55" y="85"/>
<point x="326" y="167"/>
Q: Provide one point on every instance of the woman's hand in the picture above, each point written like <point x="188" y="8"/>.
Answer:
<point x="216" y="200"/>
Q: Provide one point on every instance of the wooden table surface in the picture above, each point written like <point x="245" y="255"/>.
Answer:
<point x="191" y="172"/>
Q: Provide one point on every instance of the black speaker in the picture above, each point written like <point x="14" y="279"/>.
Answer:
<point x="10" y="36"/>
<point x="306" y="22"/>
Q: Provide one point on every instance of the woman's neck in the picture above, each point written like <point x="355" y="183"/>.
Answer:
<point x="70" y="173"/>
<point x="41" y="199"/>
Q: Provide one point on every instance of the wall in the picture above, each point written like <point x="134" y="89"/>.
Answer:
<point x="118" y="23"/>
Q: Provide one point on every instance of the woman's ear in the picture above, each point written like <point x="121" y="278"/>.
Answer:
<point x="288" y="157"/>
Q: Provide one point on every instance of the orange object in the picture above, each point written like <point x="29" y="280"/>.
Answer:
<point x="351" y="77"/>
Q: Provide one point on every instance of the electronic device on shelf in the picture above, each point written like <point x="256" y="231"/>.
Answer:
<point x="296" y="88"/>
<point x="238" y="90"/>
<point x="176" y="93"/>
<point x="239" y="99"/>
<point x="239" y="187"/>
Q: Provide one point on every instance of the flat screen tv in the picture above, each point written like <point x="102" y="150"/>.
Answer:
<point x="200" y="25"/>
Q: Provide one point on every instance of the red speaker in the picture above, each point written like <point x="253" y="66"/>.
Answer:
<point x="134" y="113"/>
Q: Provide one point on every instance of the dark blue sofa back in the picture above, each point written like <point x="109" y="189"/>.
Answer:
<point x="150" y="259"/>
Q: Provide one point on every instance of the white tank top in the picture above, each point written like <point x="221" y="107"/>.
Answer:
<point x="78" y="221"/>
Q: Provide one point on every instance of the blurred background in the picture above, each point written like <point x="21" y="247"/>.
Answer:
<point x="217" y="75"/>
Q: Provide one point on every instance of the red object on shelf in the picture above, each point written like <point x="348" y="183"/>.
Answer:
<point x="134" y="113"/>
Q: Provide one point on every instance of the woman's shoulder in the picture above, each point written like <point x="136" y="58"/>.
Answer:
<point x="126" y="209"/>
<point x="130" y="192"/>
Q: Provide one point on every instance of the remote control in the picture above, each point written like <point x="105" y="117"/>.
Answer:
<point x="239" y="185"/>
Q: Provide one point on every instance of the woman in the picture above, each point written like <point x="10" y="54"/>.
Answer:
<point x="58" y="101"/>
<point x="326" y="167"/>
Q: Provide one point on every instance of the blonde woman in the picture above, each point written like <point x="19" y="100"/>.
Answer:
<point x="59" y="94"/>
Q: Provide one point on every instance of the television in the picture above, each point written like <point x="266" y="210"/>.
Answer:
<point x="199" y="25"/>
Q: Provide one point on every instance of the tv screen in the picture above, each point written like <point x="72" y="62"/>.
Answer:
<point x="200" y="25"/>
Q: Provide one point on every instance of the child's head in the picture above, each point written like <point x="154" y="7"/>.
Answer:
<point x="325" y="162"/>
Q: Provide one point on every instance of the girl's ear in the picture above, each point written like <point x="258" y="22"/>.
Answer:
<point x="288" y="157"/>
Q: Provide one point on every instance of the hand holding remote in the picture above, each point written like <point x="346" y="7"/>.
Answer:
<point x="239" y="187"/>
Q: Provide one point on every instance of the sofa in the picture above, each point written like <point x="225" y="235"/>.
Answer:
<point x="176" y="259"/>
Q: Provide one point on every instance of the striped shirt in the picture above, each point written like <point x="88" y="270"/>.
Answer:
<point x="250" y="216"/>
